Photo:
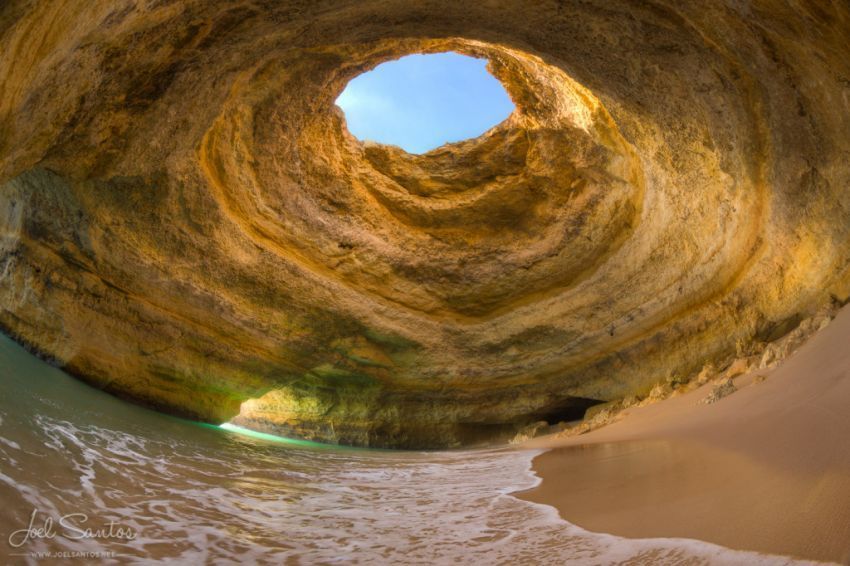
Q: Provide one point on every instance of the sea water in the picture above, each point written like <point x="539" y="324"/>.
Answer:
<point x="86" y="475"/>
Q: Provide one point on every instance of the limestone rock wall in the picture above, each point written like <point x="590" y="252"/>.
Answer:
<point x="186" y="221"/>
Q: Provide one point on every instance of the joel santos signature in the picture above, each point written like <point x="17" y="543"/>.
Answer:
<point x="70" y="526"/>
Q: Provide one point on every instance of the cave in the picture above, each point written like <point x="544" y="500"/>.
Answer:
<point x="632" y="212"/>
<point x="188" y="224"/>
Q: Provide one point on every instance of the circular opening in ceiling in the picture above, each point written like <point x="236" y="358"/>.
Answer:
<point x="420" y="102"/>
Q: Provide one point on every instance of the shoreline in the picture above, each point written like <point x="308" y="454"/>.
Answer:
<point x="766" y="469"/>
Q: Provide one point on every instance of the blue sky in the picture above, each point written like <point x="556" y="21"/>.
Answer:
<point x="420" y="102"/>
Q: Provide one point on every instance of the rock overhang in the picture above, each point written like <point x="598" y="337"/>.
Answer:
<point x="188" y="223"/>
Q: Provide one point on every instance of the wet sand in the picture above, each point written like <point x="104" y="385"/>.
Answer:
<point x="765" y="469"/>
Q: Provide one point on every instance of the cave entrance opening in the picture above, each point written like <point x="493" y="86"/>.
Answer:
<point x="420" y="102"/>
<point x="567" y="410"/>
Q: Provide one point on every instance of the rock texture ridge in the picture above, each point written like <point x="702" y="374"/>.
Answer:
<point x="186" y="221"/>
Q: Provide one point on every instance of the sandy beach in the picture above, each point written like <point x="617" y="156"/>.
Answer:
<point x="765" y="469"/>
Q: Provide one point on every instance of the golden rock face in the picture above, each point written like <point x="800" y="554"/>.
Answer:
<point x="186" y="221"/>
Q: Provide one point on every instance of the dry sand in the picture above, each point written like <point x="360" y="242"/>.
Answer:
<point x="765" y="469"/>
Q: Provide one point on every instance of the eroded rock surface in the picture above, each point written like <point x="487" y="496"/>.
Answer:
<point x="185" y="220"/>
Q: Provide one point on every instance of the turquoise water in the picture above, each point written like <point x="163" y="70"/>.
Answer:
<point x="421" y="102"/>
<point x="149" y="487"/>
